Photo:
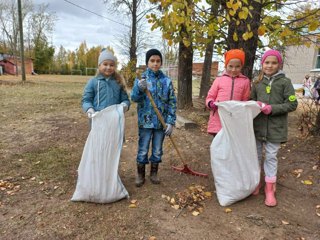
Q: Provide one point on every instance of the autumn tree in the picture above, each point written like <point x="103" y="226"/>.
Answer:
<point x="136" y="10"/>
<point x="176" y="23"/>
<point x="281" y="23"/>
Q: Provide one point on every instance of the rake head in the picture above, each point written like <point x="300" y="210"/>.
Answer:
<point x="187" y="170"/>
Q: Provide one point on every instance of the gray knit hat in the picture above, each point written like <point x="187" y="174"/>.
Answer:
<point x="105" y="54"/>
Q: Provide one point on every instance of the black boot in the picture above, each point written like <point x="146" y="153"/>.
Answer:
<point x="141" y="174"/>
<point x="154" y="173"/>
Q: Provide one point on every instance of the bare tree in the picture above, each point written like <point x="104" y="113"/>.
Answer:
<point x="9" y="23"/>
<point x="136" y="10"/>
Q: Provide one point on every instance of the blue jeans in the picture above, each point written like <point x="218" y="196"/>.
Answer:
<point x="145" y="137"/>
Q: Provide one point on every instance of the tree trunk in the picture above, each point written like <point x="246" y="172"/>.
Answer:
<point x="185" y="76"/>
<point x="206" y="70"/>
<point x="249" y="46"/>
<point x="133" y="40"/>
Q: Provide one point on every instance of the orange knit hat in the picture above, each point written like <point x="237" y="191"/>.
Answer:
<point x="234" y="53"/>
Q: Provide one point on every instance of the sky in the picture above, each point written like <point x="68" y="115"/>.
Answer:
<point x="75" y="25"/>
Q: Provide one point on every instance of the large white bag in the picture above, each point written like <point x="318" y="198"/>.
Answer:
<point x="98" y="178"/>
<point x="234" y="159"/>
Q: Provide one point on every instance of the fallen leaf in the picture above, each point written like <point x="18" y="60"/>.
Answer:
<point x="163" y="196"/>
<point x="307" y="182"/>
<point x="172" y="201"/>
<point x="33" y="178"/>
<point x="227" y="210"/>
<point x="315" y="167"/>
<point x="133" y="201"/>
<point x="195" y="213"/>
<point x="176" y="207"/>
<point x="55" y="187"/>
<point x="285" y="222"/>
<point x="152" y="238"/>
<point x="208" y="194"/>
<point x="132" y="205"/>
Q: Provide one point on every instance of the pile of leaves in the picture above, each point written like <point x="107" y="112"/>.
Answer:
<point x="191" y="199"/>
<point x="9" y="187"/>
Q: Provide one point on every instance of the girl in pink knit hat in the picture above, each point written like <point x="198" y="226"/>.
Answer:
<point x="275" y="94"/>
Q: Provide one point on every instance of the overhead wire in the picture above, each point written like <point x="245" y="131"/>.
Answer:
<point x="97" y="14"/>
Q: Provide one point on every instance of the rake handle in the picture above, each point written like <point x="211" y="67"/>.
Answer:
<point x="155" y="108"/>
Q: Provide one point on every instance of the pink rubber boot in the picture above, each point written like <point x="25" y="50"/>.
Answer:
<point x="270" y="190"/>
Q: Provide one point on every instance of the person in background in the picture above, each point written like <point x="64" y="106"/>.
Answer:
<point x="316" y="87"/>
<point x="307" y="84"/>
<point x="150" y="128"/>
<point x="232" y="85"/>
<point x="275" y="94"/>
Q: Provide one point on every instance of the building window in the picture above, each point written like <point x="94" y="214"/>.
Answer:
<point x="318" y="59"/>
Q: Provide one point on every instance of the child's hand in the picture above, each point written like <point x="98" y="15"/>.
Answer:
<point x="90" y="113"/>
<point x="168" y="130"/>
<point x="212" y="106"/>
<point x="265" y="108"/>
<point x="142" y="84"/>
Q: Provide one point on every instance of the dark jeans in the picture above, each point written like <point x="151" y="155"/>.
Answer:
<point x="147" y="135"/>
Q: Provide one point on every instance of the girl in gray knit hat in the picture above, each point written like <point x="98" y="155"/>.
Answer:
<point x="106" y="88"/>
<point x="104" y="100"/>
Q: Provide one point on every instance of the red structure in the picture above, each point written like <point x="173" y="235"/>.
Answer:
<point x="11" y="64"/>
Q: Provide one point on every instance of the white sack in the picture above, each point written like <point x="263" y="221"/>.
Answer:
<point x="234" y="159"/>
<point x="98" y="178"/>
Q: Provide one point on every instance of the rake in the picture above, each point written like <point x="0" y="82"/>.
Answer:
<point x="185" y="168"/>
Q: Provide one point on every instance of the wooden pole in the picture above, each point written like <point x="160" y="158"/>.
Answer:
<point x="23" y="71"/>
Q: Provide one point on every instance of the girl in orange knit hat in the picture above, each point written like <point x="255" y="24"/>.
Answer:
<point x="232" y="85"/>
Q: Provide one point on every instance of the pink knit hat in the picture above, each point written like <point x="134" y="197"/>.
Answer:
<point x="272" y="52"/>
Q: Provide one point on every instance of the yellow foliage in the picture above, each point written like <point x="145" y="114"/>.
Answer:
<point x="247" y="35"/>
<point x="261" y="30"/>
<point x="232" y="12"/>
<point x="186" y="42"/>
<point x="243" y="15"/>
<point x="314" y="26"/>
<point x="228" y="18"/>
<point x="236" y="6"/>
<point x="286" y="32"/>
<point x="235" y="37"/>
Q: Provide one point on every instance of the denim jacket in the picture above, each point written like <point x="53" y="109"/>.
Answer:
<point x="162" y="91"/>
<point x="101" y="92"/>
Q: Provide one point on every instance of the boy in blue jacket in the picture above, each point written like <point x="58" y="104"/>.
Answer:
<point x="150" y="127"/>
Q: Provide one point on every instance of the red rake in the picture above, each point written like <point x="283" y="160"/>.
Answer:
<point x="185" y="168"/>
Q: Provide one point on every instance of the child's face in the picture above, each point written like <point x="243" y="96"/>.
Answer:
<point x="154" y="63"/>
<point x="107" y="68"/>
<point x="270" y="66"/>
<point x="234" y="67"/>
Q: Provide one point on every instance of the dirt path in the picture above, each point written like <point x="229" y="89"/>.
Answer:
<point x="40" y="154"/>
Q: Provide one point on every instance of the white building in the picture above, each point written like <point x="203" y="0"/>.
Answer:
<point x="301" y="60"/>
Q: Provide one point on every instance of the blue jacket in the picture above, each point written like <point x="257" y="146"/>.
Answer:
<point x="101" y="92"/>
<point x="162" y="91"/>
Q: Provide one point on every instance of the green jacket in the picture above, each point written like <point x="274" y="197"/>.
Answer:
<point x="277" y="91"/>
